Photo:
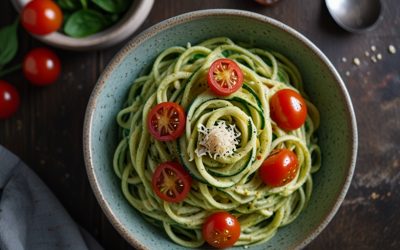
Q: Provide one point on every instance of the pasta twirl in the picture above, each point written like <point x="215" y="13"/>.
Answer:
<point x="223" y="182"/>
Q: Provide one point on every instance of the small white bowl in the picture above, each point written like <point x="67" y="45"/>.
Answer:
<point x="125" y="27"/>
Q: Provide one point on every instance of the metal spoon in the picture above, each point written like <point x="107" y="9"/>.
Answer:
<point x="355" y="15"/>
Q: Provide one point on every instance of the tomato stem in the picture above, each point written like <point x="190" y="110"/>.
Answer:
<point x="10" y="70"/>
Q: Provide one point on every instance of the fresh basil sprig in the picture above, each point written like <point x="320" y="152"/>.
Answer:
<point x="83" y="18"/>
<point x="84" y="23"/>
<point x="8" y="47"/>
<point x="8" y="43"/>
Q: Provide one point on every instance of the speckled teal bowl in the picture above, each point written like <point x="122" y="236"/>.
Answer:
<point x="337" y="134"/>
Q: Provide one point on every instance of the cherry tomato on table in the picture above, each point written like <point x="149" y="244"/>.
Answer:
<point x="221" y="230"/>
<point x="288" y="109"/>
<point x="171" y="182"/>
<point x="224" y="77"/>
<point x="279" y="168"/>
<point x="41" y="17"/>
<point x="41" y="66"/>
<point x="166" y="121"/>
<point x="9" y="100"/>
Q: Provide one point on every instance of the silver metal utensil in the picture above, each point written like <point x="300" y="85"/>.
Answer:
<point x="355" y="15"/>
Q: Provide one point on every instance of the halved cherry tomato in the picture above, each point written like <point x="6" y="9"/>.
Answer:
<point x="224" y="77"/>
<point x="221" y="230"/>
<point x="171" y="182"/>
<point x="166" y="121"/>
<point x="41" y="66"/>
<point x="279" y="168"/>
<point x="9" y="100"/>
<point x="41" y="17"/>
<point x="288" y="109"/>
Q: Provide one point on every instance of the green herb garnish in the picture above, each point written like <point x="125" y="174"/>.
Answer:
<point x="83" y="18"/>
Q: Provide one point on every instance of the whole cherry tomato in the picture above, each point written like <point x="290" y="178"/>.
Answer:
<point x="288" y="109"/>
<point x="41" y="66"/>
<point x="9" y="100"/>
<point x="221" y="230"/>
<point x="279" y="168"/>
<point x="41" y="17"/>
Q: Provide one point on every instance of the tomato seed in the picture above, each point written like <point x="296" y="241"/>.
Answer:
<point x="179" y="186"/>
<point x="170" y="172"/>
<point x="171" y="194"/>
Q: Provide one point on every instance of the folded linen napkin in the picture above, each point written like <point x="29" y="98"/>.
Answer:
<point x="31" y="217"/>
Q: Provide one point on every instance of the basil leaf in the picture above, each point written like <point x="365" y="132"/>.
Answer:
<point x="113" y="6"/>
<point x="8" y="43"/>
<point x="69" y="4"/>
<point x="85" y="22"/>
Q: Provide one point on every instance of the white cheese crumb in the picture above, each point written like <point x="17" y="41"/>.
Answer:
<point x="344" y="59"/>
<point x="356" y="61"/>
<point x="379" y="56"/>
<point x="246" y="246"/>
<point x="366" y="53"/>
<point x="220" y="140"/>
<point x="374" y="195"/>
<point x="392" y="49"/>
<point x="347" y="73"/>
<point x="188" y="45"/>
<point x="373" y="48"/>
<point x="373" y="58"/>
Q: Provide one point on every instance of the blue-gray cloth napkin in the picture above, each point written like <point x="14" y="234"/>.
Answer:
<point x="31" y="217"/>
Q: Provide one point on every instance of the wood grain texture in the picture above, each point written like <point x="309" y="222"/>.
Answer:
<point x="47" y="130"/>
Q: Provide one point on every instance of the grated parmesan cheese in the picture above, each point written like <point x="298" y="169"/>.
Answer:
<point x="356" y="61"/>
<point x="392" y="49"/>
<point x="221" y="140"/>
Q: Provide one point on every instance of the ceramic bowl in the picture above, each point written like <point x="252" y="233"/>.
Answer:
<point x="337" y="133"/>
<point x="125" y="27"/>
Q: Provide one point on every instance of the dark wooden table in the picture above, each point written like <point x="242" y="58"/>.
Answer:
<point x="47" y="130"/>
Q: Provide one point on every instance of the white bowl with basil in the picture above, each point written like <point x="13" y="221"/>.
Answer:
<point x="95" y="24"/>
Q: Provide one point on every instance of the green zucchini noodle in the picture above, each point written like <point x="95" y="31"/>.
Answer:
<point x="229" y="183"/>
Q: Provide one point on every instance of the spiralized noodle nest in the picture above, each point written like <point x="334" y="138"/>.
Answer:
<point x="226" y="182"/>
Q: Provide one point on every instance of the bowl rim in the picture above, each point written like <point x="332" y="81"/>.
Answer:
<point x="187" y="17"/>
<point x="121" y="30"/>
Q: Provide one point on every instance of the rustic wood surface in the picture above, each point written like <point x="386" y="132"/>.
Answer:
<point x="47" y="130"/>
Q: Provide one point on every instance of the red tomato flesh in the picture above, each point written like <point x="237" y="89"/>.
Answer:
<point x="41" y="66"/>
<point x="41" y="17"/>
<point x="224" y="77"/>
<point x="166" y="121"/>
<point x="221" y="230"/>
<point x="9" y="100"/>
<point x="288" y="109"/>
<point x="279" y="168"/>
<point x="171" y="182"/>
